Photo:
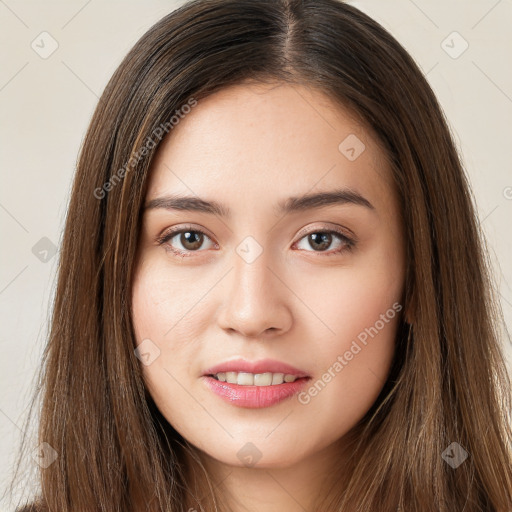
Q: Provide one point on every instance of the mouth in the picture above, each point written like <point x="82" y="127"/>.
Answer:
<point x="266" y="372"/>
<point x="255" y="379"/>
<point x="255" y="384"/>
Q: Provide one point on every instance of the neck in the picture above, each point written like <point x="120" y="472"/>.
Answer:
<point x="297" y="487"/>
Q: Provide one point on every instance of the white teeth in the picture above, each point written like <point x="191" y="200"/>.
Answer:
<point x="245" y="379"/>
<point x="251" y="379"/>
<point x="277" y="378"/>
<point x="263" y="379"/>
<point x="231" y="377"/>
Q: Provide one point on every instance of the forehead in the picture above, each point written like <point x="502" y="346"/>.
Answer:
<point x="254" y="141"/>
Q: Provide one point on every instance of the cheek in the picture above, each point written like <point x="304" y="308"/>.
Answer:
<point x="353" y="370"/>
<point x="166" y="311"/>
<point x="360" y="309"/>
<point x="166" y="304"/>
<point x="349" y="300"/>
<point x="162" y="313"/>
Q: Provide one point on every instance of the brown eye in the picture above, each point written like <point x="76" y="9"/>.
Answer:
<point x="182" y="241"/>
<point x="191" y="240"/>
<point x="320" y="241"/>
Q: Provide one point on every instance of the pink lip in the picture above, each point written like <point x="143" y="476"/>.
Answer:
<point x="262" y="366"/>
<point x="255" y="396"/>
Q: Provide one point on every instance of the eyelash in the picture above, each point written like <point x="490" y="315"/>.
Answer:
<point x="349" y="243"/>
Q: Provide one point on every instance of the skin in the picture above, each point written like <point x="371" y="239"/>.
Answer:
<point x="248" y="147"/>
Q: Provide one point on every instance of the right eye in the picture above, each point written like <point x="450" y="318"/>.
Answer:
<point x="189" y="238"/>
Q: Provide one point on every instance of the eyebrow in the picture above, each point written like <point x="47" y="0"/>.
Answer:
<point x="290" y="205"/>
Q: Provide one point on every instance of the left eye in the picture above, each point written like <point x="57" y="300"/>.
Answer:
<point x="191" y="240"/>
<point x="321" y="240"/>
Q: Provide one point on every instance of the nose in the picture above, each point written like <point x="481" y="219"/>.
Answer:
<point x="255" y="300"/>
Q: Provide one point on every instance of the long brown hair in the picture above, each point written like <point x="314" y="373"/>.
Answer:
<point x="448" y="383"/>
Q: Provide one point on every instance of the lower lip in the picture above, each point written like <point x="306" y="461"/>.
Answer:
<point x="254" y="396"/>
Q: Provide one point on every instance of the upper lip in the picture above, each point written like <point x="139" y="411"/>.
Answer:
<point x="261" y="366"/>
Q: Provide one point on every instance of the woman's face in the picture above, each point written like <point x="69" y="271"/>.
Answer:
<point x="267" y="272"/>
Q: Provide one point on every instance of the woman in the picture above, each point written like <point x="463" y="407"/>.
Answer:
<point x="272" y="292"/>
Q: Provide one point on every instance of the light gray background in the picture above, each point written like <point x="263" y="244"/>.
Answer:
<point x="46" y="105"/>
